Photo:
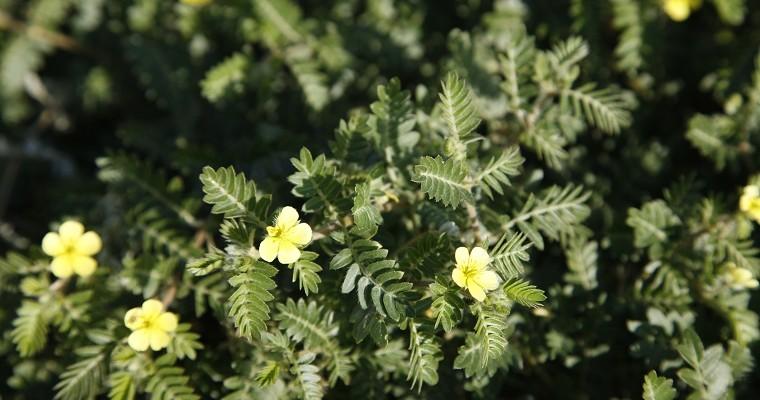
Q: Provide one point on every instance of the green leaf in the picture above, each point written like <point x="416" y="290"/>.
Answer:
<point x="248" y="304"/>
<point x="740" y="359"/>
<point x="627" y="18"/>
<point x="30" y="328"/>
<point x="281" y="20"/>
<point x="447" y="304"/>
<point x="315" y="327"/>
<point x="366" y="216"/>
<point x="743" y="253"/>
<point x="315" y="180"/>
<point x="443" y="181"/>
<point x="557" y="214"/>
<point x="308" y="323"/>
<point x="691" y="349"/>
<point x="517" y="68"/>
<point x="169" y="381"/>
<point x="306" y="272"/>
<point x="133" y="173"/>
<point x="582" y="264"/>
<point x="508" y="255"/>
<point x="424" y="355"/>
<point x="608" y="109"/>
<point x="369" y="322"/>
<point x="228" y="192"/>
<point x="184" y="343"/>
<point x="658" y="388"/>
<point x="565" y="56"/>
<point x="393" y="119"/>
<point x="159" y="234"/>
<point x="225" y="78"/>
<point x="489" y="341"/>
<point x="313" y="82"/>
<point x="307" y="376"/>
<point x="714" y="136"/>
<point x="524" y="293"/>
<point x="342" y="259"/>
<point x="122" y="385"/>
<point x="268" y="375"/>
<point x="377" y="279"/>
<point x="548" y="143"/>
<point x="495" y="176"/>
<point x="207" y="264"/>
<point x="458" y="111"/>
<point x="84" y="378"/>
<point x="710" y="376"/>
<point x="651" y="222"/>
<point x="427" y="255"/>
<point x="491" y="329"/>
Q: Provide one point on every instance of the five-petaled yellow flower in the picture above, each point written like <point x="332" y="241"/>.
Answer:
<point x="196" y="2"/>
<point x="471" y="272"/>
<point x="679" y="10"/>
<point x="72" y="249"/>
<point x="750" y="202"/>
<point x="150" y="326"/>
<point x="285" y="238"/>
<point x="739" y="278"/>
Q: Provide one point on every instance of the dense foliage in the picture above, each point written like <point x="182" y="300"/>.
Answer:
<point x="285" y="199"/>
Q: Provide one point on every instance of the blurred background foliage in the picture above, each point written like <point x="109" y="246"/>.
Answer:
<point x="147" y="92"/>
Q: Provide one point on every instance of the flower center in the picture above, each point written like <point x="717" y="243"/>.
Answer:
<point x="754" y="204"/>
<point x="142" y="322"/>
<point x="469" y="271"/>
<point x="69" y="249"/>
<point x="274" y="231"/>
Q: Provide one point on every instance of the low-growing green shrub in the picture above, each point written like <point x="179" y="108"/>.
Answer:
<point x="271" y="199"/>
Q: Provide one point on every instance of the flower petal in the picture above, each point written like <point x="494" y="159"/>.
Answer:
<point x="745" y="202"/>
<point x="476" y="291"/>
<point x="52" y="244"/>
<point x="89" y="244"/>
<point x="268" y="248"/>
<point x="139" y="340"/>
<point x="287" y="219"/>
<point x="70" y="232"/>
<point x="488" y="280"/>
<point x="299" y="234"/>
<point x="133" y="318"/>
<point x="677" y="10"/>
<point x="167" y="322"/>
<point x="741" y="274"/>
<point x="158" y="339"/>
<point x="458" y="276"/>
<point x="288" y="253"/>
<point x="62" y="266"/>
<point x="479" y="257"/>
<point x="754" y="213"/>
<point x="752" y="190"/>
<point x="152" y="308"/>
<point x="84" y="266"/>
<point x="462" y="256"/>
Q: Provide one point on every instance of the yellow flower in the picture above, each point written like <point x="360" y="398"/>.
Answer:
<point x="739" y="278"/>
<point x="471" y="272"/>
<point x="285" y="237"/>
<point x="750" y="202"/>
<point x="679" y="10"/>
<point x="195" y="2"/>
<point x="150" y="326"/>
<point x="72" y="250"/>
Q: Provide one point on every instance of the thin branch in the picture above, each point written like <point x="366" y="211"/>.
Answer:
<point x="39" y="33"/>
